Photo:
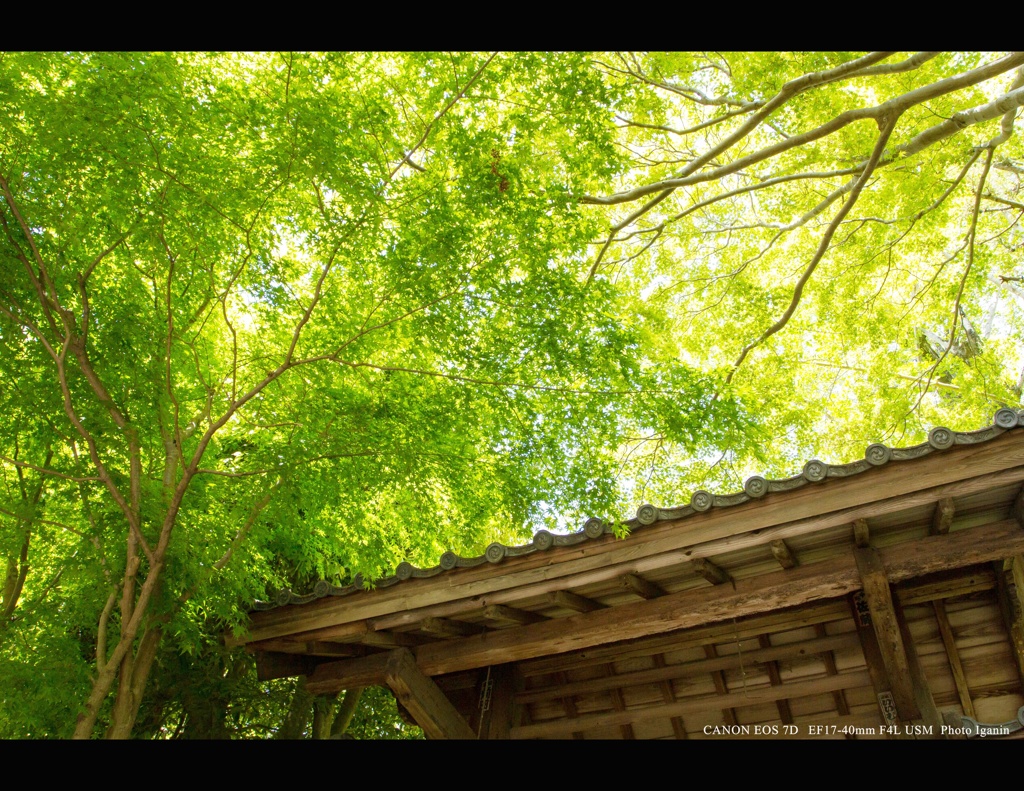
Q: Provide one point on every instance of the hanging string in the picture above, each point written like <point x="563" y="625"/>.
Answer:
<point x="485" y="700"/>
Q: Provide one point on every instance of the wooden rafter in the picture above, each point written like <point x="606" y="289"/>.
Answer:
<point x="712" y="664"/>
<point x="783" y="554"/>
<point x="942" y="518"/>
<point x="953" y="656"/>
<point x="746" y="697"/>
<point x="643" y="588"/>
<point x="792" y="587"/>
<point x="573" y="601"/>
<point x="447" y="627"/>
<point x="712" y="573"/>
<point x="802" y="511"/>
<point x="861" y="533"/>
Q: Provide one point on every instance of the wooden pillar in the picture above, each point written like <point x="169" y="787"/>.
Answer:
<point x="887" y="632"/>
<point x="906" y="680"/>
<point x="428" y="705"/>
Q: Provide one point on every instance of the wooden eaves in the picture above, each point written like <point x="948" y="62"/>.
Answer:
<point x="880" y="598"/>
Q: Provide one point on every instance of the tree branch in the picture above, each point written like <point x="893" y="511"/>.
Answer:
<point x="823" y="246"/>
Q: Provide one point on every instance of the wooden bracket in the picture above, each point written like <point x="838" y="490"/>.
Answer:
<point x="428" y="705"/>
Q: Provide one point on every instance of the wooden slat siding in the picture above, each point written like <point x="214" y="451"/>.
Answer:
<point x="567" y="703"/>
<point x="860" y="496"/>
<point x="573" y="601"/>
<point x="626" y="728"/>
<point x="783" y="554"/>
<point x="747" y="697"/>
<point x="645" y="589"/>
<point x="953" y="655"/>
<point x="861" y="533"/>
<point x="875" y="585"/>
<point x="827" y="655"/>
<point x="1011" y="609"/>
<point x="790" y="588"/>
<point x="711" y="572"/>
<point x="775" y="679"/>
<point x="721" y="687"/>
<point x="501" y="612"/>
<point x="446" y="627"/>
<point x="693" y="637"/>
<point x="943" y="516"/>
<point x="921" y="689"/>
<point x="428" y="705"/>
<point x="664" y="672"/>
<point x="669" y="696"/>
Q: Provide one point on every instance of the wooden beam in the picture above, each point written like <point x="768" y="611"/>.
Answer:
<point x="956" y="582"/>
<point x="272" y="664"/>
<point x="783" y="554"/>
<point x="664" y="672"/>
<point x="775" y="679"/>
<point x="645" y="589"/>
<point x="368" y="671"/>
<point x="875" y="584"/>
<point x="827" y="579"/>
<point x="953" y="655"/>
<point x="861" y="533"/>
<point x="428" y="705"/>
<point x="747" y="697"/>
<point x="873" y="658"/>
<point x="711" y="572"/>
<point x="573" y="601"/>
<point x="500" y="612"/>
<point x="446" y="627"/>
<point x="896" y="487"/>
<point x="943" y="516"/>
<point x="391" y="640"/>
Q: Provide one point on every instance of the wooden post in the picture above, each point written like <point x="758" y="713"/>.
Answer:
<point x="873" y="659"/>
<point x="887" y="631"/>
<point x="428" y="705"/>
